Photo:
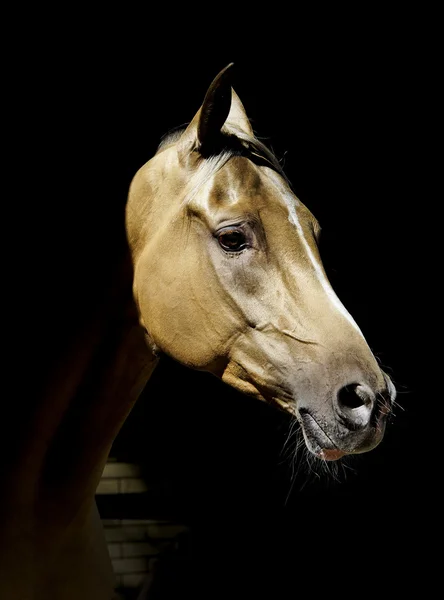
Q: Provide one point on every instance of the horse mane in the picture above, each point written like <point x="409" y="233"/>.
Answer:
<point x="170" y="138"/>
<point x="234" y="142"/>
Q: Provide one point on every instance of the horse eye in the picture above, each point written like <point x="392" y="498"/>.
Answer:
<point x="232" y="240"/>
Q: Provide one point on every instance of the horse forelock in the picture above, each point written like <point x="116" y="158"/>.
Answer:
<point x="234" y="142"/>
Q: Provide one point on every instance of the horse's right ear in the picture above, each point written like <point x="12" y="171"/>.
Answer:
<point x="221" y="104"/>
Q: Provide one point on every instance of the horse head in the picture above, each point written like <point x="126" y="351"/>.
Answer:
<point x="228" y="279"/>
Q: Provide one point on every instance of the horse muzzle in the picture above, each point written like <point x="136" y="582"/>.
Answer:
<point x="354" y="422"/>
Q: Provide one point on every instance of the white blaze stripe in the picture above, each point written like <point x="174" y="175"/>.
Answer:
<point x="291" y="201"/>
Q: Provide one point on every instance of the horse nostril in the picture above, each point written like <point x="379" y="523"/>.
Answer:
<point x="354" y="403"/>
<point x="355" y="395"/>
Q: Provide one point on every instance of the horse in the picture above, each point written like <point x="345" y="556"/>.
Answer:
<point x="222" y="273"/>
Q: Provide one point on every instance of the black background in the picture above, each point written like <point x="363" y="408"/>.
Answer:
<point x="351" y="110"/>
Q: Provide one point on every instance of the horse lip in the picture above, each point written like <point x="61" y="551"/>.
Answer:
<point x="318" y="441"/>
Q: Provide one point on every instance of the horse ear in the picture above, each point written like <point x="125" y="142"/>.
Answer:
<point x="238" y="116"/>
<point x="203" y="132"/>
<point x="215" y="109"/>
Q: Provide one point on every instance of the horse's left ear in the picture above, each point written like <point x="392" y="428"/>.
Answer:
<point x="221" y="105"/>
<point x="215" y="109"/>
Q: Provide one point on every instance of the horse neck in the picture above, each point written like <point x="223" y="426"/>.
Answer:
<point x="89" y="391"/>
<point x="62" y="437"/>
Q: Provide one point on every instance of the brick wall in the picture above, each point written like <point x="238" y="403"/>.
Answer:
<point x="134" y="545"/>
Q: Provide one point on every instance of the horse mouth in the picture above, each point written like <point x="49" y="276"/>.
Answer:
<point x="317" y="440"/>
